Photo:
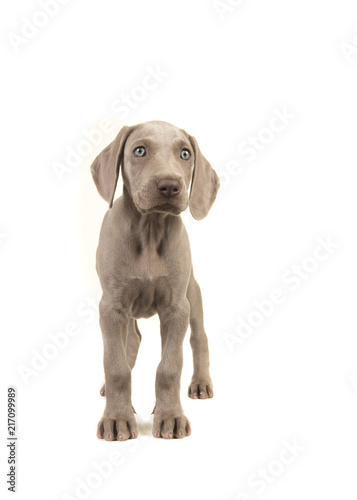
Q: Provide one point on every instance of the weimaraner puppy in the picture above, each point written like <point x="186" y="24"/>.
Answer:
<point x="144" y="266"/>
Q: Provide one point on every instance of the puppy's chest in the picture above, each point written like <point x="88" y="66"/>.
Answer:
<point x="150" y="263"/>
<point x="147" y="296"/>
<point x="150" y="287"/>
<point x="152" y="282"/>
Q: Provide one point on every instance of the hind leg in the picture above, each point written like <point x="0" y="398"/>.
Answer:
<point x="201" y="384"/>
<point x="132" y="346"/>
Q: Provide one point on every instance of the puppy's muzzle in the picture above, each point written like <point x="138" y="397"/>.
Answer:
<point x="168" y="188"/>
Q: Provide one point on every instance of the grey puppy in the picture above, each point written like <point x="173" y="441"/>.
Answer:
<point x="144" y="266"/>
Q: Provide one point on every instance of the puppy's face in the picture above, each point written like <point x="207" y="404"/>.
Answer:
<point x="157" y="168"/>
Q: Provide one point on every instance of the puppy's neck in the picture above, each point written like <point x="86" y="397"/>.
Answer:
<point x="148" y="231"/>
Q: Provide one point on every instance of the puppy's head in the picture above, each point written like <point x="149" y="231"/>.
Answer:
<point x="163" y="170"/>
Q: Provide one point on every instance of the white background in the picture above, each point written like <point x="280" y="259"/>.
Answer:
<point x="294" y="377"/>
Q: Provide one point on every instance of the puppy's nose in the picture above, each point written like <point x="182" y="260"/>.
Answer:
<point x="169" y="187"/>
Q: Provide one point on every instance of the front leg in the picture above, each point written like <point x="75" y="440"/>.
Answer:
<point x="169" y="419"/>
<point x="118" y="421"/>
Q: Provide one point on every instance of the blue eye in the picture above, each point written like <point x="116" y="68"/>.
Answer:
<point x="140" y="152"/>
<point x="185" y="154"/>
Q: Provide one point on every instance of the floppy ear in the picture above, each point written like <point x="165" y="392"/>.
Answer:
<point x="204" y="186"/>
<point x="105" y="168"/>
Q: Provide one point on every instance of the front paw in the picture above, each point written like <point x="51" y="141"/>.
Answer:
<point x="117" y="427"/>
<point x="168" y="425"/>
<point x="200" y="389"/>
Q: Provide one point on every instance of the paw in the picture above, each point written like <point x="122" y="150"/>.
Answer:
<point x="200" y="389"/>
<point x="119" y="428"/>
<point x="170" y="427"/>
